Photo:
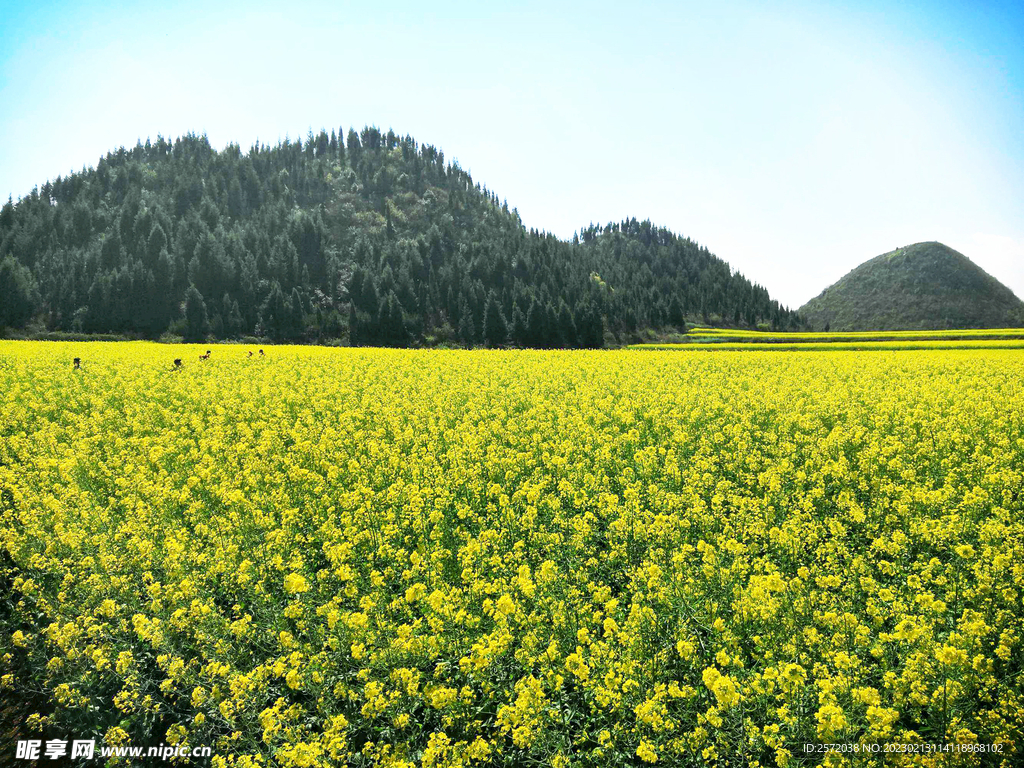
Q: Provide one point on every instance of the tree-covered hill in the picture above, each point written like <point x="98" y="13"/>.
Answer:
<point x="371" y="238"/>
<point x="925" y="286"/>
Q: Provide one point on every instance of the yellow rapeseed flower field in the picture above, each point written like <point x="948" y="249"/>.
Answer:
<point x="331" y="557"/>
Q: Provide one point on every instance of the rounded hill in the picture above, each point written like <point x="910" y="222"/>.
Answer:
<point x="925" y="286"/>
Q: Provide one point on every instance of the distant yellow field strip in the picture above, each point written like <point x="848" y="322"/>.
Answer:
<point x="721" y="334"/>
<point x="867" y="345"/>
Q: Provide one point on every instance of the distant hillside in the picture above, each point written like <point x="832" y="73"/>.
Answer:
<point x="925" y="286"/>
<point x="366" y="237"/>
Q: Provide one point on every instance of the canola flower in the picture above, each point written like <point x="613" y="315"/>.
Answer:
<point x="428" y="558"/>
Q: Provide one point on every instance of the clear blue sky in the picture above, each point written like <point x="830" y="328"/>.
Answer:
<point x="794" y="141"/>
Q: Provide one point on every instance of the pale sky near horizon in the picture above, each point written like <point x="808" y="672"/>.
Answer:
<point x="795" y="141"/>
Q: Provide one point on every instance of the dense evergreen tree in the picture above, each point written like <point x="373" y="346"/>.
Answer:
<point x="363" y="235"/>
<point x="566" y="326"/>
<point x="295" y="325"/>
<point x="590" y="326"/>
<point x="519" y="329"/>
<point x="391" y="328"/>
<point x="17" y="298"/>
<point x="495" y="326"/>
<point x="195" y="315"/>
<point x="467" y="330"/>
<point x="536" y="326"/>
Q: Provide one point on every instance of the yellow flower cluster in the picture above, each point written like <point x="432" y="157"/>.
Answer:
<point x="332" y="557"/>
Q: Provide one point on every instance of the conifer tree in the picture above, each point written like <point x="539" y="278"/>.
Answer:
<point x="195" y="315"/>
<point x="566" y="325"/>
<point x="495" y="327"/>
<point x="16" y="294"/>
<point x="467" y="332"/>
<point x="296" y="316"/>
<point x="520" y="332"/>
